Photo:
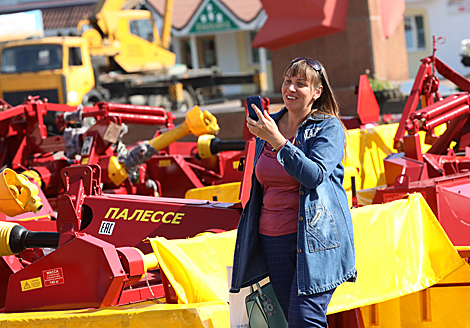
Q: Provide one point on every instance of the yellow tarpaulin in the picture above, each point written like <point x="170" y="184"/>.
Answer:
<point x="400" y="249"/>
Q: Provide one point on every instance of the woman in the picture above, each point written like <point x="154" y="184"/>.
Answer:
<point x="296" y="226"/>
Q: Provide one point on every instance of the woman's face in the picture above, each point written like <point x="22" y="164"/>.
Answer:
<point x="298" y="93"/>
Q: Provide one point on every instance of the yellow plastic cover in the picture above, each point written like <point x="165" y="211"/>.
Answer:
<point x="440" y="306"/>
<point x="227" y="192"/>
<point x="139" y="315"/>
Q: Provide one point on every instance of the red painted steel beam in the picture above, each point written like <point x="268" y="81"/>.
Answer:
<point x="457" y="112"/>
<point x="440" y="107"/>
<point x="448" y="73"/>
<point x="412" y="102"/>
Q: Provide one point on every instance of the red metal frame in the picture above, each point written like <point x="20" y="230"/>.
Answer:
<point x="442" y="174"/>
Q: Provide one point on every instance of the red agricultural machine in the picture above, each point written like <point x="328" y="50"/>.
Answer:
<point x="442" y="174"/>
<point x="109" y="230"/>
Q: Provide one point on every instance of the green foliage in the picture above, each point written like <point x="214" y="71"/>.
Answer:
<point x="380" y="85"/>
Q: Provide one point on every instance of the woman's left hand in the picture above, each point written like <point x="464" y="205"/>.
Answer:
<point x="265" y="128"/>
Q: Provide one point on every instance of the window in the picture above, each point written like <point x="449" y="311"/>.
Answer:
<point x="31" y="58"/>
<point x="414" y="33"/>
<point x="186" y="53"/>
<point x="75" y="56"/>
<point x="208" y="53"/>
<point x="142" y="28"/>
<point x="253" y="53"/>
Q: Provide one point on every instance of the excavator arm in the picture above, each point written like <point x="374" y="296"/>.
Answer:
<point x="128" y="37"/>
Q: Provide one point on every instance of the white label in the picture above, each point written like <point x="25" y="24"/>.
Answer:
<point x="106" y="228"/>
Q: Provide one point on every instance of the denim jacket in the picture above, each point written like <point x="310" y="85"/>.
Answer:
<point x="325" y="243"/>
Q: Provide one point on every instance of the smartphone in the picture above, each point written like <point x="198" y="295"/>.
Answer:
<point x="254" y="100"/>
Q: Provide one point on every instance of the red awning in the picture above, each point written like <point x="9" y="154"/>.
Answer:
<point x="292" y="22"/>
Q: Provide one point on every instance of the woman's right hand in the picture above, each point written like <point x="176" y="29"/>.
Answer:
<point x="265" y="128"/>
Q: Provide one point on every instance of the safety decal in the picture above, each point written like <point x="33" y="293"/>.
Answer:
<point x="53" y="277"/>
<point x="236" y="164"/>
<point x="106" y="228"/>
<point x="31" y="284"/>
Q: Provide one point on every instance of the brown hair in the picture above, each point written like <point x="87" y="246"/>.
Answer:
<point x="326" y="103"/>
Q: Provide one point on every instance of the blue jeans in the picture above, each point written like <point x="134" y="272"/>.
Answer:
<point x="280" y="254"/>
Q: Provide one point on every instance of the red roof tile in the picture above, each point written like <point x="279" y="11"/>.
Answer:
<point x="65" y="17"/>
<point x="183" y="10"/>
<point x="245" y="10"/>
<point x="56" y="14"/>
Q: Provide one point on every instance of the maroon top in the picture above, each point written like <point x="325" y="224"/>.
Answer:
<point x="280" y="207"/>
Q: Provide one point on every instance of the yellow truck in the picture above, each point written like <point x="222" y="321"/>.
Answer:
<point x="56" y="68"/>
<point x="118" y="54"/>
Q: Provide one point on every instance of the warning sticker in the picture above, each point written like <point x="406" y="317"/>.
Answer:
<point x="112" y="132"/>
<point x="53" y="277"/>
<point x="31" y="284"/>
<point x="164" y="163"/>
<point x="86" y="148"/>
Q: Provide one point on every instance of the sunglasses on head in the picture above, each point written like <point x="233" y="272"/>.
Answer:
<point x="311" y="62"/>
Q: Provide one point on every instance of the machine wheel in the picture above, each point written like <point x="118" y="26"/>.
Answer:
<point x="196" y="95"/>
<point x="91" y="98"/>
